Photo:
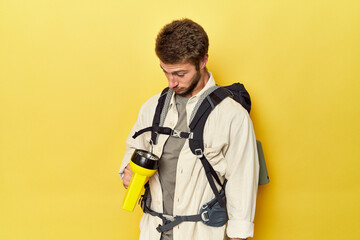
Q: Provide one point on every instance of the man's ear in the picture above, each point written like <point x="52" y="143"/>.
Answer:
<point x="204" y="61"/>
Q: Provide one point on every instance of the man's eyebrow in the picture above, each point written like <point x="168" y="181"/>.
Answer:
<point x="163" y="69"/>
<point x="175" y="72"/>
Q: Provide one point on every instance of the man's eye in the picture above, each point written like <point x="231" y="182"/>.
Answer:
<point x="180" y="75"/>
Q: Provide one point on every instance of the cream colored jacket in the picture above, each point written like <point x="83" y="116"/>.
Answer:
<point x="230" y="147"/>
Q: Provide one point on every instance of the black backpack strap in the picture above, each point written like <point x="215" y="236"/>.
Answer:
<point x="210" y="175"/>
<point x="166" y="131"/>
<point x="156" y="119"/>
<point x="155" y="128"/>
<point x="197" y="143"/>
<point x="169" y="221"/>
<point x="198" y="122"/>
<point x="170" y="224"/>
<point x="159" y="118"/>
<point x="138" y="133"/>
<point x="236" y="91"/>
<point x="210" y="213"/>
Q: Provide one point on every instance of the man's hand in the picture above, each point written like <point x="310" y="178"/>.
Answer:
<point x="127" y="176"/>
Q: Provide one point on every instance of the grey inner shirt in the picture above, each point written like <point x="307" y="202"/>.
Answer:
<point x="169" y="159"/>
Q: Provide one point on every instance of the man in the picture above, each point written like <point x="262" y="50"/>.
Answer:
<point x="180" y="186"/>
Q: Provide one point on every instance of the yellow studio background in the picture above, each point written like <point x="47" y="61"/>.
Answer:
<point x="73" y="75"/>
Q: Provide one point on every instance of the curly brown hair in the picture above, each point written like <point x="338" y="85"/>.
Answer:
<point x="182" y="41"/>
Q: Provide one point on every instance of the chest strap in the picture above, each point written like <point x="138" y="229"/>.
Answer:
<point x="164" y="130"/>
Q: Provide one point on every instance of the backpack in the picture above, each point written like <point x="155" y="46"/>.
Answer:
<point x="207" y="102"/>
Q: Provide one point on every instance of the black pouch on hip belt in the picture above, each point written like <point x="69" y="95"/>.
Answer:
<point x="212" y="214"/>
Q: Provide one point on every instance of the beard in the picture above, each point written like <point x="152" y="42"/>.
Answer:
<point x="194" y="82"/>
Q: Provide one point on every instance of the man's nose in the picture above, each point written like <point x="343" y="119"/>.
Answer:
<point x="172" y="81"/>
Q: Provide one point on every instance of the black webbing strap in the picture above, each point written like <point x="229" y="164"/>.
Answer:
<point x="164" y="130"/>
<point x="206" y="106"/>
<point x="210" y="173"/>
<point x="142" y="131"/>
<point x="169" y="221"/>
<point x="156" y="119"/>
<point x="177" y="220"/>
<point x="197" y="124"/>
<point x="155" y="129"/>
<point x="197" y="143"/>
<point x="210" y="169"/>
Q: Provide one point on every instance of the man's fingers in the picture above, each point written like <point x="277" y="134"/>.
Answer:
<point x="127" y="176"/>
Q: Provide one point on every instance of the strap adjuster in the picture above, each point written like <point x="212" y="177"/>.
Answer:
<point x="191" y="135"/>
<point x="199" y="152"/>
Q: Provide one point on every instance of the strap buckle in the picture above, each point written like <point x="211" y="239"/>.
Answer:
<point x="176" y="133"/>
<point x="180" y="134"/>
<point x="205" y="216"/>
<point x="169" y="217"/>
<point x="199" y="153"/>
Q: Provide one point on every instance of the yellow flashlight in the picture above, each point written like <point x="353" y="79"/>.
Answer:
<point x="143" y="164"/>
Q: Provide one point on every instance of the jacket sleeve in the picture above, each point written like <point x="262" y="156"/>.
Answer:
<point x="242" y="173"/>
